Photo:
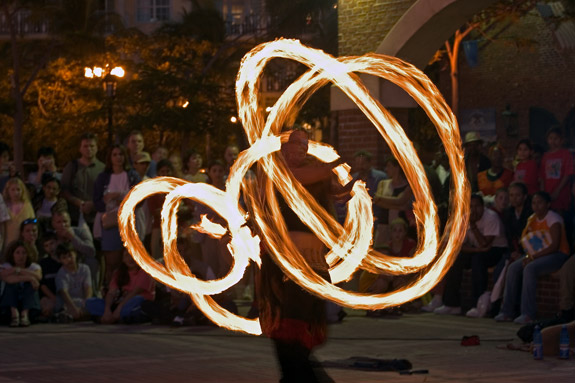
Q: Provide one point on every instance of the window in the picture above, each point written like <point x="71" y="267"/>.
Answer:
<point x="153" y="10"/>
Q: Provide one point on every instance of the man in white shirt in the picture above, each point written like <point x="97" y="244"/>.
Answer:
<point x="484" y="245"/>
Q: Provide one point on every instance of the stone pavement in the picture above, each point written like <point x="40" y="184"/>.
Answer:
<point x="85" y="352"/>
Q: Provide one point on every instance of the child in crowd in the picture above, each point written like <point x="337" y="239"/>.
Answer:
<point x="49" y="201"/>
<point x="401" y="246"/>
<point x="556" y="170"/>
<point x="129" y="288"/>
<point x="22" y="279"/>
<point x="73" y="282"/>
<point x="29" y="235"/>
<point x="50" y="265"/>
<point x="501" y="201"/>
<point x="526" y="170"/>
<point x="19" y="207"/>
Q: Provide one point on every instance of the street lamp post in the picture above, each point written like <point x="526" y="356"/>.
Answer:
<point x="109" y="82"/>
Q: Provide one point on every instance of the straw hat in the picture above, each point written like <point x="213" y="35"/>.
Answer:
<point x="471" y="137"/>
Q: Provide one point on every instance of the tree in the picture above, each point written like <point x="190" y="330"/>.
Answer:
<point x="501" y="14"/>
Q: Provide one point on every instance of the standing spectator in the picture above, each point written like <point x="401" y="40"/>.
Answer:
<point x="78" y="180"/>
<point x="475" y="161"/>
<point x="556" y="170"/>
<point x="230" y="155"/>
<point x="155" y="204"/>
<point x="110" y="188"/>
<point x="50" y="265"/>
<point x="142" y="164"/>
<point x="46" y="167"/>
<point x="17" y="200"/>
<point x="496" y="177"/>
<point x="527" y="170"/>
<point x="135" y="146"/>
<point x="80" y="239"/>
<point x="484" y="245"/>
<point x="6" y="168"/>
<point x="161" y="153"/>
<point x="73" y="283"/>
<point x="178" y="168"/>
<point x="193" y="161"/>
<point x="22" y="278"/>
<point x="129" y="288"/>
<point x="547" y="249"/>
<point x="394" y="196"/>
<point x="364" y="171"/>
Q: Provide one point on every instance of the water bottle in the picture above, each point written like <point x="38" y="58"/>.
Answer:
<point x="564" y="343"/>
<point x="537" y="344"/>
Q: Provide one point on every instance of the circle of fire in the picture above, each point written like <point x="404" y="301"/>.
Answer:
<point x="349" y="246"/>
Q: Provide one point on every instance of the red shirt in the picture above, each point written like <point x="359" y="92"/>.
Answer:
<point x="554" y="166"/>
<point x="528" y="173"/>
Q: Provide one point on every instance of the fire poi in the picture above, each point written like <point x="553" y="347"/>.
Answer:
<point x="350" y="244"/>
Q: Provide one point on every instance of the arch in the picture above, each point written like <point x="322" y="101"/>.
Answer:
<point x="425" y="26"/>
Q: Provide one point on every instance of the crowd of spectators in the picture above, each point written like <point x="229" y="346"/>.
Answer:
<point x="63" y="259"/>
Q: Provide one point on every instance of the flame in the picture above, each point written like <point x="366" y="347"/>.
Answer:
<point x="350" y="244"/>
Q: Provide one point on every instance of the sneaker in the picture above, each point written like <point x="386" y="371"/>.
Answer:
<point x="436" y="302"/>
<point x="474" y="313"/>
<point x="502" y="318"/>
<point x="447" y="310"/>
<point x="15" y="322"/>
<point x="522" y="319"/>
<point x="24" y="322"/>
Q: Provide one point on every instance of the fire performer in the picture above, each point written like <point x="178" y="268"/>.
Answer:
<point x="294" y="319"/>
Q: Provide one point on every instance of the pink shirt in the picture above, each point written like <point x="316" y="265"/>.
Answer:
<point x="138" y="278"/>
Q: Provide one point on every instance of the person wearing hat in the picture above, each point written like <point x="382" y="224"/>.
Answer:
<point x="475" y="161"/>
<point x="141" y="164"/>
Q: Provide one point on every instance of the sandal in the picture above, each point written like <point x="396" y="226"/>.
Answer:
<point x="15" y="322"/>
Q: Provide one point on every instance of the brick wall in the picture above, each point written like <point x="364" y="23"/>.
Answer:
<point x="520" y="73"/>
<point x="362" y="24"/>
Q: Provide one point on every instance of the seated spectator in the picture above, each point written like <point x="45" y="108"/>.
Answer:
<point x="6" y="168"/>
<point x="19" y="207"/>
<point x="526" y="170"/>
<point x="500" y="202"/>
<point x="556" y="170"/>
<point x="395" y="198"/>
<point x="47" y="201"/>
<point x="73" y="283"/>
<point x="4" y="217"/>
<point x="496" y="177"/>
<point x="22" y="278"/>
<point x="484" y="245"/>
<point x="29" y="235"/>
<point x="81" y="241"/>
<point x="567" y="291"/>
<point x="193" y="162"/>
<point x="129" y="288"/>
<point x="515" y="217"/>
<point x="50" y="265"/>
<point x="546" y="245"/>
<point x="399" y="246"/>
<point x="46" y="167"/>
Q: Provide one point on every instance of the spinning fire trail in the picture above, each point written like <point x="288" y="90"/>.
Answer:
<point x="350" y="245"/>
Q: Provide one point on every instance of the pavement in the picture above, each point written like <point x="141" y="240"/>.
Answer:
<point x="86" y="352"/>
